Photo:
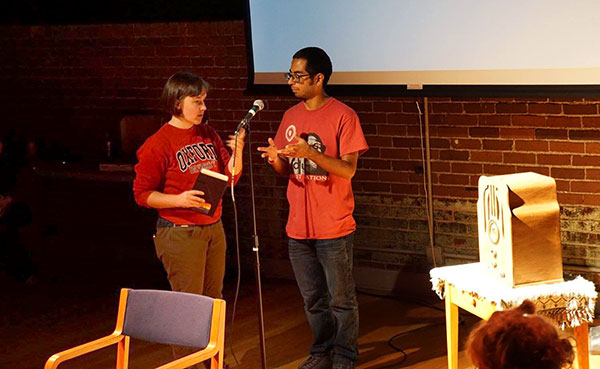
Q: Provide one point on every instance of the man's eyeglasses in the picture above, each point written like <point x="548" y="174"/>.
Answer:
<point x="296" y="77"/>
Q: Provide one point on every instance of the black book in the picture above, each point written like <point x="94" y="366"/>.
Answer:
<point x="213" y="185"/>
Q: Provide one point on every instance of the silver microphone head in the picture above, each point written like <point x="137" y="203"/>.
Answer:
<point x="260" y="104"/>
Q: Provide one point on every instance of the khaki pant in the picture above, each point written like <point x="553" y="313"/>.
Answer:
<point x="194" y="259"/>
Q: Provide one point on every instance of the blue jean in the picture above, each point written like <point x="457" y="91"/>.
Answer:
<point x="323" y="270"/>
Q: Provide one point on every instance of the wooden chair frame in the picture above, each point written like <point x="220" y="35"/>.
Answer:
<point x="213" y="351"/>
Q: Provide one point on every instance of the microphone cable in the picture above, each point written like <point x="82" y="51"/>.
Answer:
<point x="237" y="249"/>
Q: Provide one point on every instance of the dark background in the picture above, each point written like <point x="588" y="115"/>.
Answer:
<point x="113" y="11"/>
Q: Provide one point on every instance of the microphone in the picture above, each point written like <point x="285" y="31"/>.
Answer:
<point x="257" y="106"/>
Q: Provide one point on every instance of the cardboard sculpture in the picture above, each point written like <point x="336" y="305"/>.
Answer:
<point x="519" y="230"/>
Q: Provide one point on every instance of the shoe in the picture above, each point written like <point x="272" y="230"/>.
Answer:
<point x="316" y="361"/>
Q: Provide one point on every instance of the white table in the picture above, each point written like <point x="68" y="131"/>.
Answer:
<point x="570" y="304"/>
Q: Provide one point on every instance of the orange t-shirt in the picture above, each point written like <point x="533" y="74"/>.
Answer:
<point x="321" y="204"/>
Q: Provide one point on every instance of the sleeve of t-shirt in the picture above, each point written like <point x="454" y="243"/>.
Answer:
<point x="149" y="171"/>
<point x="351" y="135"/>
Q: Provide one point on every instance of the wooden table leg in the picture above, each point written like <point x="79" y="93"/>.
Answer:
<point x="451" y="329"/>
<point x="583" y="353"/>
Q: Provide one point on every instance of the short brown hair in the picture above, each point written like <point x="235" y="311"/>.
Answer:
<point x="180" y="85"/>
<point x="518" y="339"/>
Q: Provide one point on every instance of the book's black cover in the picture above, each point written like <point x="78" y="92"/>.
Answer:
<point x="213" y="185"/>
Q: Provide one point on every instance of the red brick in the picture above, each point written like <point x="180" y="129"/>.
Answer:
<point x="498" y="144"/>
<point x="373" y="152"/>
<point x="388" y="106"/>
<point x="517" y="132"/>
<point x="591" y="200"/>
<point x="439" y="143"/>
<point x="590" y="122"/>
<point x="416" y="178"/>
<point x="550" y="134"/>
<point x="517" y="158"/>
<point x="484" y="132"/>
<point x="374" y="164"/>
<point x="407" y="165"/>
<point x="541" y="170"/>
<point x="397" y="118"/>
<point x="545" y="108"/>
<point x="511" y="108"/>
<point x="440" y="167"/>
<point x="486" y="156"/>
<point x="463" y="143"/>
<point x="568" y="173"/>
<point x="577" y="109"/>
<point x="379" y="141"/>
<point x="496" y="169"/>
<point x="451" y="132"/>
<point x="592" y="174"/>
<point x="528" y="121"/>
<point x="454" y="155"/>
<point x="563" y="186"/>
<point x="574" y="147"/>
<point x="461" y="120"/>
<point x="406" y="142"/>
<point x="584" y="134"/>
<point x="586" y="161"/>
<point x="388" y="153"/>
<point x="466" y="168"/>
<point x="360" y="106"/>
<point x="409" y="189"/>
<point x="376" y="187"/>
<point x="393" y="177"/>
<point x="569" y="199"/>
<point x="551" y="159"/>
<point x="390" y="130"/>
<point x="479" y="108"/>
<point x="494" y="120"/>
<point x="581" y="186"/>
<point x="410" y="107"/>
<point x="367" y="118"/>
<point x="592" y="148"/>
<point x="531" y="146"/>
<point x="437" y="108"/>
<point x="417" y="153"/>
<point x="454" y="179"/>
<point x="564" y="122"/>
<point x="455" y="191"/>
<point x="413" y="131"/>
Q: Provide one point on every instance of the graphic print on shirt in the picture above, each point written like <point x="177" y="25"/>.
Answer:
<point x="307" y="167"/>
<point x="197" y="156"/>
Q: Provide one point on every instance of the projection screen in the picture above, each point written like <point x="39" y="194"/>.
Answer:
<point x="431" y="42"/>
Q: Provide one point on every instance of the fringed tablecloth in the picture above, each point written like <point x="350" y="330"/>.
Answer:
<point x="568" y="303"/>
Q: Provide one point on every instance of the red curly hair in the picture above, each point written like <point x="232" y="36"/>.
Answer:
<point x="517" y="339"/>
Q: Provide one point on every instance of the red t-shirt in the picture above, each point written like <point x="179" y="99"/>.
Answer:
<point x="321" y="204"/>
<point x="169" y="162"/>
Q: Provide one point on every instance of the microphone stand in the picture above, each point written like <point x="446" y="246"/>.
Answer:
<point x="261" y="324"/>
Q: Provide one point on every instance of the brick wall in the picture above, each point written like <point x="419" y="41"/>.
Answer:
<point x="70" y="85"/>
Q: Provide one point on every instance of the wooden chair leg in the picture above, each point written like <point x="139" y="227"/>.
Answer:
<point x="123" y="353"/>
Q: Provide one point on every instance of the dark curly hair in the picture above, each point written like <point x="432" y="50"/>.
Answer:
<point x="517" y="339"/>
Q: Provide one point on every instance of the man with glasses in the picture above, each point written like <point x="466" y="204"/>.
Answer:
<point x="322" y="132"/>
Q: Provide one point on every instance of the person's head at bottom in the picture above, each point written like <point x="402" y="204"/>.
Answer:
<point x="518" y="339"/>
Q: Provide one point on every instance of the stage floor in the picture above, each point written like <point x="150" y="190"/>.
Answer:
<point x="50" y="316"/>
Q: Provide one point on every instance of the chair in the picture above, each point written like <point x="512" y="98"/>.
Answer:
<point x="166" y="317"/>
